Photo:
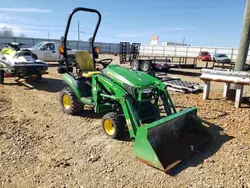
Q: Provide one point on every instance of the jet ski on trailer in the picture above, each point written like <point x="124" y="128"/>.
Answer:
<point x="18" y="62"/>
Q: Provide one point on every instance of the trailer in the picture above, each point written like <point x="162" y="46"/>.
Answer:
<point x="131" y="53"/>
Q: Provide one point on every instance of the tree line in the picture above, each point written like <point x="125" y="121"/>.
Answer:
<point x="8" y="32"/>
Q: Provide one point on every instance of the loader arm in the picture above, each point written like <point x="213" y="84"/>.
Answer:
<point x="115" y="93"/>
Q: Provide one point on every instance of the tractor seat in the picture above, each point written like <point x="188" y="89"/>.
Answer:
<point x="85" y="64"/>
<point x="89" y="74"/>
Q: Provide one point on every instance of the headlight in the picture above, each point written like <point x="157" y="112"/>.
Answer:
<point x="146" y="90"/>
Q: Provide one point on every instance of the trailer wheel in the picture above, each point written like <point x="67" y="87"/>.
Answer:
<point x="1" y="76"/>
<point x="135" y="65"/>
<point x="113" y="125"/>
<point x="69" y="102"/>
<point x="145" y="66"/>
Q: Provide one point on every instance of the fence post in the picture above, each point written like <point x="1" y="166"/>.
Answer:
<point x="187" y="52"/>
<point x="232" y="53"/>
<point x="110" y="48"/>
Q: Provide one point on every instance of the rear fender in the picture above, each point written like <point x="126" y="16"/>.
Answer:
<point x="72" y="83"/>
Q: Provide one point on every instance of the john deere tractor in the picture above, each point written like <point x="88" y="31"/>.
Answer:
<point x="133" y="102"/>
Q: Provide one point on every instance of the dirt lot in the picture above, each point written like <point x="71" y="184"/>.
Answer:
<point x="40" y="146"/>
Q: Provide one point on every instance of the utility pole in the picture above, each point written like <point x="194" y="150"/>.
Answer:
<point x="48" y="34"/>
<point x="78" y="35"/>
<point x="184" y="40"/>
<point x="245" y="39"/>
<point x="78" y="30"/>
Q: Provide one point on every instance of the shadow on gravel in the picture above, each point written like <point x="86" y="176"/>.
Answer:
<point x="45" y="84"/>
<point x="89" y="113"/>
<point x="245" y="102"/>
<point x="198" y="158"/>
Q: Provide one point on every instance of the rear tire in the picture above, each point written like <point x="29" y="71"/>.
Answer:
<point x="135" y="65"/>
<point x="145" y="66"/>
<point x="69" y="102"/>
<point x="1" y="76"/>
<point x="113" y="125"/>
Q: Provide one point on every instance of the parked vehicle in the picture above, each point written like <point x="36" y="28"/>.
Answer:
<point x="50" y="51"/>
<point x="142" y="63"/>
<point x="20" y="63"/>
<point x="162" y="137"/>
<point x="221" y="58"/>
<point x="204" y="56"/>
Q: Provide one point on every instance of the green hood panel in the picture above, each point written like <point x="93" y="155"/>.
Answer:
<point x="129" y="77"/>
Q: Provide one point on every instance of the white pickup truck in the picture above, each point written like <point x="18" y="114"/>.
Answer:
<point x="49" y="51"/>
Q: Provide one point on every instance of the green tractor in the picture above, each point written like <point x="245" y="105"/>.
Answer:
<point x="134" y="103"/>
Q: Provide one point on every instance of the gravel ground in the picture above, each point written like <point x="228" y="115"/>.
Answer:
<point x="40" y="146"/>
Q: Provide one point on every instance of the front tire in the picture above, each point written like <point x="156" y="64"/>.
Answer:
<point x="113" y="125"/>
<point x="69" y="102"/>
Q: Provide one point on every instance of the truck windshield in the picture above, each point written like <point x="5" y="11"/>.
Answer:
<point x="38" y="45"/>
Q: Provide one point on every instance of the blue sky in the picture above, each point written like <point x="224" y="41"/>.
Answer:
<point x="202" y="23"/>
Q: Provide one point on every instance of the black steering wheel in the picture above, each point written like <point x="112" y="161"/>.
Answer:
<point x="105" y="62"/>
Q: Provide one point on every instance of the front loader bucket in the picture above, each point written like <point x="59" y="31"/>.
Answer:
<point x="166" y="142"/>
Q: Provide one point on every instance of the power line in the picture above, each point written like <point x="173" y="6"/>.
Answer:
<point x="61" y="30"/>
<point x="57" y="26"/>
<point x="35" y="25"/>
<point x="31" y="29"/>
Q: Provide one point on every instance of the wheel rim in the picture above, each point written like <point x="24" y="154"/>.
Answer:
<point x="145" y="67"/>
<point x="66" y="101"/>
<point x="134" y="65"/>
<point x="108" y="127"/>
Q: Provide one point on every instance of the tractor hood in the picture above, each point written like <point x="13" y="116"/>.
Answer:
<point x="129" y="77"/>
